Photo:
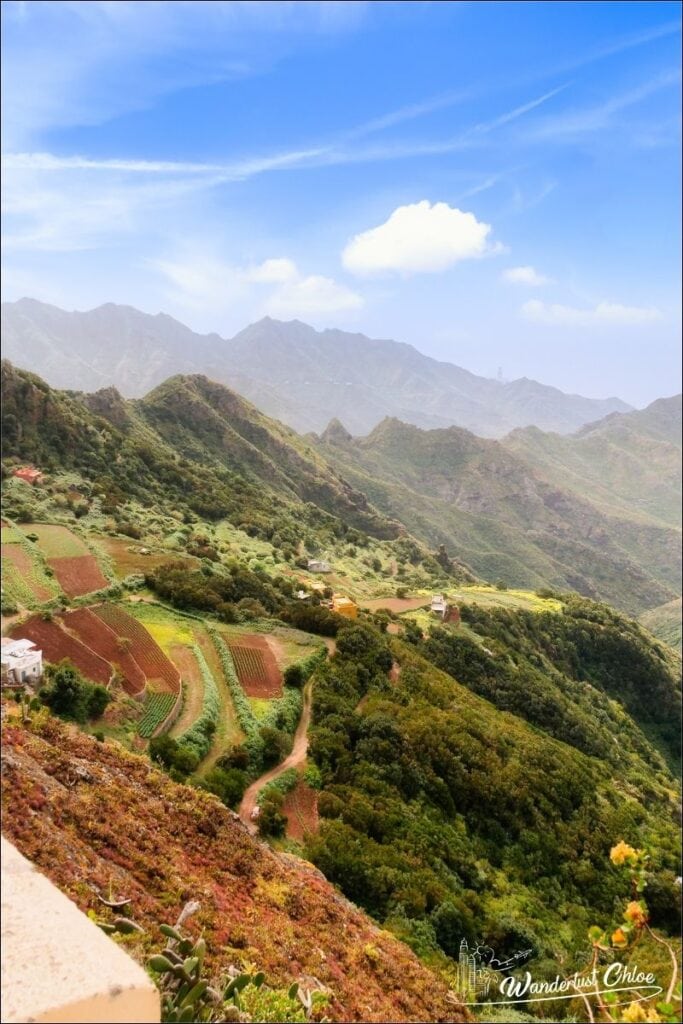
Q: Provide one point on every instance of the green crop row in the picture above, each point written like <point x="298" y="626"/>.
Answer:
<point x="198" y="736"/>
<point x="157" y="708"/>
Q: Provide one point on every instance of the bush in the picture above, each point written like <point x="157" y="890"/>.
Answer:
<point x="179" y="760"/>
<point x="71" y="696"/>
<point x="293" y="676"/>
<point x="228" y="784"/>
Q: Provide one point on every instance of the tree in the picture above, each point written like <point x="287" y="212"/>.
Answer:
<point x="71" y="696"/>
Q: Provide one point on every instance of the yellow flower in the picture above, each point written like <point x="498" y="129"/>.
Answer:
<point x="620" y="939"/>
<point x="634" y="1013"/>
<point x="636" y="914"/>
<point x="652" y="1015"/>
<point x="622" y="852"/>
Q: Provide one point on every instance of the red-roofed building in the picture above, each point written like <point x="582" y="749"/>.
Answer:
<point x="29" y="474"/>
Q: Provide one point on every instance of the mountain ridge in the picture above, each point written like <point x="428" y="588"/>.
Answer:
<point x="288" y="369"/>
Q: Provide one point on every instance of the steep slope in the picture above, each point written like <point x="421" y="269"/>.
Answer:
<point x="484" y="802"/>
<point x="665" y="623"/>
<point x="503" y="517"/>
<point x="91" y="816"/>
<point x="289" y="370"/>
<point x="190" y="442"/>
<point x="627" y="464"/>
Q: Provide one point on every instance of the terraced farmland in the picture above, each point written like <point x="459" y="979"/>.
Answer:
<point x="96" y="634"/>
<point x="158" y="707"/>
<point x="23" y="577"/>
<point x="56" y="643"/>
<point x="161" y="674"/>
<point x="76" y="569"/>
<point x="256" y="667"/>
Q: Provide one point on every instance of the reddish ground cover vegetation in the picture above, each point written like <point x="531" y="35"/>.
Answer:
<point x="256" y="666"/>
<point x="97" y="635"/>
<point x="77" y="576"/>
<point x="56" y="644"/>
<point x="120" y="822"/>
<point x="301" y="809"/>
<point x="160" y="672"/>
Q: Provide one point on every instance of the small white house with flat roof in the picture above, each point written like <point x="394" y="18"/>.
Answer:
<point x="439" y="605"/>
<point x="22" y="662"/>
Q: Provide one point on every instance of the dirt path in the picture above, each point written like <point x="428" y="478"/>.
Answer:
<point x="297" y="756"/>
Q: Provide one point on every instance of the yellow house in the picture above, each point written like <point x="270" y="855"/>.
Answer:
<point x="345" y="606"/>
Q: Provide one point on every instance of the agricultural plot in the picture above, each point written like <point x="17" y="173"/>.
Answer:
<point x="99" y="637"/>
<point x="23" y="577"/>
<point x="158" y="707"/>
<point x="56" y="643"/>
<point x="256" y="667"/>
<point x="127" y="557"/>
<point x="161" y="674"/>
<point x="300" y="807"/>
<point x="206" y="696"/>
<point x="76" y="570"/>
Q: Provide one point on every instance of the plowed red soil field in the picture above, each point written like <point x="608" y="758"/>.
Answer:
<point x="56" y="643"/>
<point x="80" y="575"/>
<point x="97" y="635"/>
<point x="301" y="809"/>
<point x="256" y="666"/>
<point x="160" y="672"/>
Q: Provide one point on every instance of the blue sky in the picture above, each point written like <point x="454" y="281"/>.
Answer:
<point x="497" y="184"/>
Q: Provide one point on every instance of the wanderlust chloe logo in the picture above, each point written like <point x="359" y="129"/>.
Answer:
<point x="485" y="978"/>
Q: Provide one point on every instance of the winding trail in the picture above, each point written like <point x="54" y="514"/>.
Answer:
<point x="293" y="760"/>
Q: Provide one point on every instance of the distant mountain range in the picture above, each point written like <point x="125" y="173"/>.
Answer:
<point x="535" y="510"/>
<point x="290" y="371"/>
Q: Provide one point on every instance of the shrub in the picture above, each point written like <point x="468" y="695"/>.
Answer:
<point x="70" y="695"/>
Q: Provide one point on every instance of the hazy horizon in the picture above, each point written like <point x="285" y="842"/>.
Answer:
<point x="493" y="184"/>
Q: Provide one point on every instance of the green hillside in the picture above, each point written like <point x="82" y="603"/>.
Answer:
<point x="506" y="517"/>
<point x="665" y="623"/>
<point x="482" y="802"/>
<point x="627" y="464"/>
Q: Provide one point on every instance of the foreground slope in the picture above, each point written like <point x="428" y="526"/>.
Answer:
<point x="299" y="375"/>
<point x="91" y="816"/>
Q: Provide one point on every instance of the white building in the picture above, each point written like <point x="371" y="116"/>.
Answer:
<point x="22" y="662"/>
<point x="315" y="565"/>
<point x="439" y="605"/>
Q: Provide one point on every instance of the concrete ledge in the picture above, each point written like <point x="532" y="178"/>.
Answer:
<point x="57" y="966"/>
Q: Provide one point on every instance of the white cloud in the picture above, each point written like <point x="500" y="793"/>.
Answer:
<point x="604" y="314"/>
<point x="419" y="238"/>
<point x="273" y="271"/>
<point x="309" y="296"/>
<point x="275" y="287"/>
<point x="525" y="275"/>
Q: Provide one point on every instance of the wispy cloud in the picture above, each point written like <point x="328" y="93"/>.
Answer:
<point x="528" y="276"/>
<point x="588" y="120"/>
<point x="605" y="314"/>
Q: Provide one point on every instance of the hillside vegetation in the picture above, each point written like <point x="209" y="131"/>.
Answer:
<point x="508" y="512"/>
<point x="94" y="818"/>
<point x="445" y="813"/>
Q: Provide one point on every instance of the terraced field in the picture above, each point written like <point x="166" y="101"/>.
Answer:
<point x="97" y="635"/>
<point x="127" y="557"/>
<point x="76" y="569"/>
<point x="256" y="667"/>
<point x="56" y="643"/>
<point x="161" y="674"/>
<point x="23" y="577"/>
